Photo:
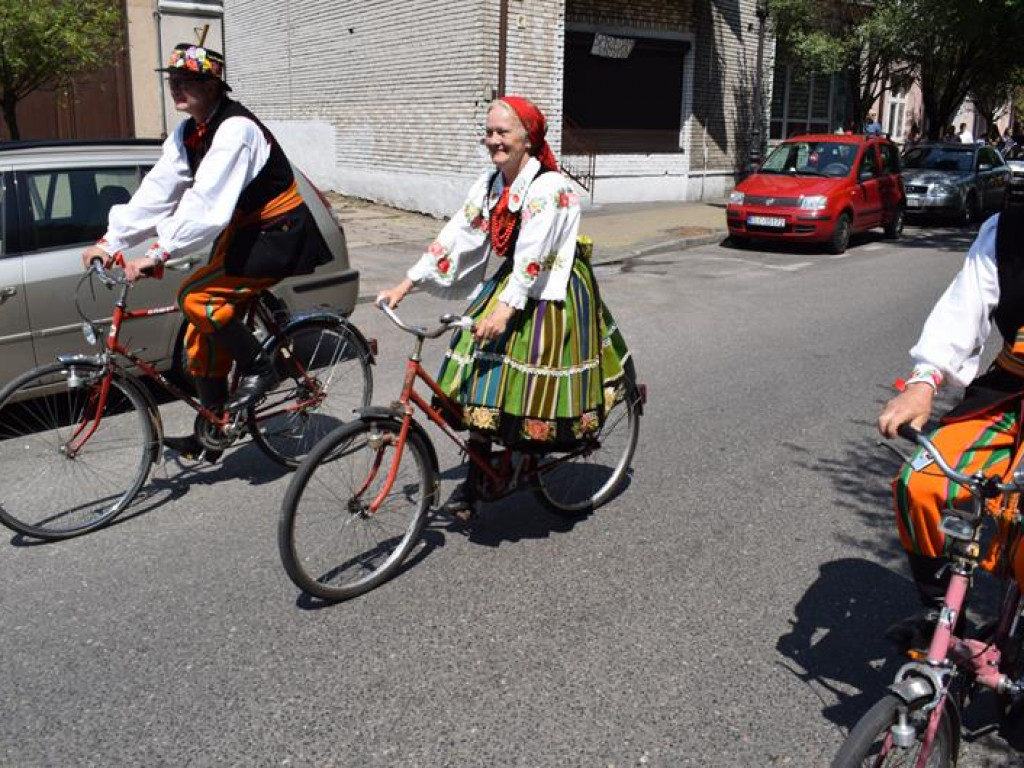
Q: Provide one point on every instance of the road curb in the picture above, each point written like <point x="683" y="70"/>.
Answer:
<point x="619" y="257"/>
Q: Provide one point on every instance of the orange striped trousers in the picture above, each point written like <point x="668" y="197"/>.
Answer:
<point x="211" y="299"/>
<point x="987" y="442"/>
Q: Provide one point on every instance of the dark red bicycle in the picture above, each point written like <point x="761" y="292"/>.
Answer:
<point x="78" y="436"/>
<point x="358" y="502"/>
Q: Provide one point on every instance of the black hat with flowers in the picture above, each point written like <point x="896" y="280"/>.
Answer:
<point x="195" y="60"/>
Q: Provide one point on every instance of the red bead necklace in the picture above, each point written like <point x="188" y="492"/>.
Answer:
<point x="503" y="225"/>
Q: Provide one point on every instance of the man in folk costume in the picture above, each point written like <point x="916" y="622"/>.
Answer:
<point x="983" y="432"/>
<point x="222" y="179"/>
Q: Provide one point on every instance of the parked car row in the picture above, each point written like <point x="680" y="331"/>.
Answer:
<point x="54" y="200"/>
<point x="822" y="188"/>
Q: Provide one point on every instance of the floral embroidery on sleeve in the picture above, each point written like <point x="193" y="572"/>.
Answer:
<point x="535" y="206"/>
<point x="442" y="264"/>
<point x="566" y="198"/>
<point x="474" y="215"/>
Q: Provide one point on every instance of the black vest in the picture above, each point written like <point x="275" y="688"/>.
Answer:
<point x="997" y="387"/>
<point x="290" y="244"/>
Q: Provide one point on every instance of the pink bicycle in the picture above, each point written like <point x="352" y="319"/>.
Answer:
<point x="917" y="723"/>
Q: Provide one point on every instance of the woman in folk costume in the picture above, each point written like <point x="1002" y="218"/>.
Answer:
<point x="544" y="353"/>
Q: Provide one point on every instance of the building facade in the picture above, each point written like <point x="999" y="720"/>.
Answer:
<point x="646" y="100"/>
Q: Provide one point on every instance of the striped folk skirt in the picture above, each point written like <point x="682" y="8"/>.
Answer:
<point x="548" y="380"/>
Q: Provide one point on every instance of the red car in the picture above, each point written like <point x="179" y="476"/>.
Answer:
<point x="820" y="188"/>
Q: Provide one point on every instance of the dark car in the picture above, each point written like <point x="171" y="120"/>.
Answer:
<point x="958" y="181"/>
<point x="55" y="197"/>
<point x="820" y="188"/>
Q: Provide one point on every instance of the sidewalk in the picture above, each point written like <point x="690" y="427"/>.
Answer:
<point x="383" y="242"/>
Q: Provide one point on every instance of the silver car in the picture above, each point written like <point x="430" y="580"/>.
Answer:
<point x="961" y="181"/>
<point x="55" y="197"/>
<point x="1015" y="159"/>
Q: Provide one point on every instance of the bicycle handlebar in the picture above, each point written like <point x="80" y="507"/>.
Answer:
<point x="978" y="484"/>
<point x="448" y="321"/>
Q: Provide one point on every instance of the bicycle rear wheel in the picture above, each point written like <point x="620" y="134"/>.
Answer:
<point x="64" y="470"/>
<point x="870" y="743"/>
<point x="325" y="378"/>
<point x="332" y="544"/>
<point x="577" y="482"/>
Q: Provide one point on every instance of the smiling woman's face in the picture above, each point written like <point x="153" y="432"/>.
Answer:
<point x="506" y="141"/>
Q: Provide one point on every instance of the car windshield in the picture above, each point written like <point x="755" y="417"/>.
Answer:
<point x="940" y="158"/>
<point x="811" y="158"/>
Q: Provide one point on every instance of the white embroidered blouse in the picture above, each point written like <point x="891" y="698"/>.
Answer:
<point x="455" y="263"/>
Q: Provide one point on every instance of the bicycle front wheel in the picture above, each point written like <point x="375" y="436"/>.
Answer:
<point x="870" y="743"/>
<point x="74" y="458"/>
<point x="579" y="481"/>
<point x="325" y="379"/>
<point x="333" y="543"/>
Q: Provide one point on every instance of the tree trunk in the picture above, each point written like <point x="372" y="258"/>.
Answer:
<point x="9" y="105"/>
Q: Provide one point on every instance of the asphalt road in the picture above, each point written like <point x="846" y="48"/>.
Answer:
<point x="726" y="610"/>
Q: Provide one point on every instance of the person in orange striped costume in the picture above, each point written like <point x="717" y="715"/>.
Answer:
<point x="222" y="179"/>
<point x="983" y="431"/>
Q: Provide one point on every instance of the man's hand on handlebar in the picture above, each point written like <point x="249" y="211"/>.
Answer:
<point x="92" y="253"/>
<point x="144" y="266"/>
<point x="913" y="406"/>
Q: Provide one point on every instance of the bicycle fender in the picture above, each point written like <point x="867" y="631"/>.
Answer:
<point x="365" y="348"/>
<point x="384" y="413"/>
<point x="913" y="689"/>
<point x="153" y="409"/>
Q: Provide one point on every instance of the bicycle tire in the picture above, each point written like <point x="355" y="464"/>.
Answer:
<point x="576" y="483"/>
<point x="292" y="419"/>
<point x="867" y="743"/>
<point x="45" y="493"/>
<point x="330" y="545"/>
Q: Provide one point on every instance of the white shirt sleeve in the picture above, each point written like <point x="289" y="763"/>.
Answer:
<point x="460" y="250"/>
<point x="154" y="200"/>
<point x="184" y="213"/>
<point x="955" y="332"/>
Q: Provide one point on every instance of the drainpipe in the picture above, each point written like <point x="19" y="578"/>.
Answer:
<point x="502" y="45"/>
<point x="159" y="75"/>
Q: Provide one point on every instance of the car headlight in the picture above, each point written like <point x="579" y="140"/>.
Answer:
<point x="942" y="189"/>
<point x="736" y="198"/>
<point x="813" y="202"/>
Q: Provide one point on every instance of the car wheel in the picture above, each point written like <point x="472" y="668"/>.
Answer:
<point x="840" y="235"/>
<point x="894" y="227"/>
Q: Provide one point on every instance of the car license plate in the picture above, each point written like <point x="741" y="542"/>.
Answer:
<point x="913" y="202"/>
<point x="767" y="221"/>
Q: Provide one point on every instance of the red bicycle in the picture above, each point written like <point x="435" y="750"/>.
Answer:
<point x="78" y="436"/>
<point x="358" y="502"/>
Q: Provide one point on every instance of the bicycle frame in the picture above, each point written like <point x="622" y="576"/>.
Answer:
<point x="112" y="348"/>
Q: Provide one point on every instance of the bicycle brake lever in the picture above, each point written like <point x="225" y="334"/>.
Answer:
<point x="899" y="454"/>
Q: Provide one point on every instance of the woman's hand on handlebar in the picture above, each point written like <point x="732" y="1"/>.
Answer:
<point x="912" y="406"/>
<point x="393" y="296"/>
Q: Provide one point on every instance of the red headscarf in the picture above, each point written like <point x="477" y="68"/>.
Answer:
<point x="536" y="127"/>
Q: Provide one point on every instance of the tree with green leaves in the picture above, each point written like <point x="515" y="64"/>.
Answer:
<point x="48" y="42"/>
<point x="862" y="42"/>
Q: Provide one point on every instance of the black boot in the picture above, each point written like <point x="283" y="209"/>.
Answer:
<point x="931" y="577"/>
<point x="212" y="394"/>
<point x="257" y="372"/>
<point x="462" y="504"/>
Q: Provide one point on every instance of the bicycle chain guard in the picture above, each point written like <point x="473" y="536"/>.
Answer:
<point x="211" y="436"/>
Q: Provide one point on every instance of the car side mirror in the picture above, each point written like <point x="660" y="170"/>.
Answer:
<point x="984" y="166"/>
